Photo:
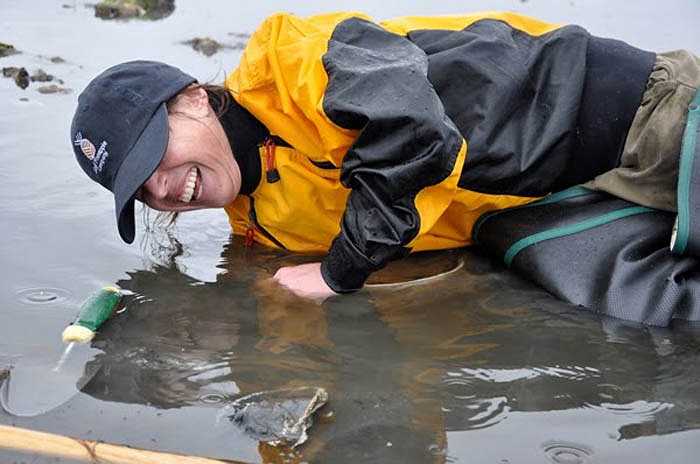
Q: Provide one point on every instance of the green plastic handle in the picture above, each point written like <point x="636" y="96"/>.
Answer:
<point x="98" y="307"/>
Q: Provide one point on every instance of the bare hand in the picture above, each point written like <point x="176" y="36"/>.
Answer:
<point x="304" y="280"/>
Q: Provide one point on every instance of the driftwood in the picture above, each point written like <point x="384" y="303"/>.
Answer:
<point x="48" y="444"/>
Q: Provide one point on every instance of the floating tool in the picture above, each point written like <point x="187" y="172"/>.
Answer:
<point x="93" y="313"/>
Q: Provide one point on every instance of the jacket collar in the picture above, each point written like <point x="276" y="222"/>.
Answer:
<point x="245" y="134"/>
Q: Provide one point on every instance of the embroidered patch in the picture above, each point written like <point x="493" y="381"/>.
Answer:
<point x="85" y="145"/>
<point x="98" y="157"/>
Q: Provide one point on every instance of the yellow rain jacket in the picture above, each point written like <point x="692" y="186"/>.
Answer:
<point x="391" y="137"/>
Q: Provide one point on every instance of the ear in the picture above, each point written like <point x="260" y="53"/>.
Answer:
<point x="199" y="96"/>
<point x="193" y="100"/>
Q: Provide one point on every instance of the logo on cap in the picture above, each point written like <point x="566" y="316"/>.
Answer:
<point x="97" y="157"/>
<point x="85" y="145"/>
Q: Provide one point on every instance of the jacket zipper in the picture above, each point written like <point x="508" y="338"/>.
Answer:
<point x="280" y="142"/>
<point x="271" y="173"/>
<point x="254" y="226"/>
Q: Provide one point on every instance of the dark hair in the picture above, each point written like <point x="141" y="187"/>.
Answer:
<point x="219" y="98"/>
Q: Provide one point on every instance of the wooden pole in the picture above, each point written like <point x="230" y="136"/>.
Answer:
<point x="49" y="444"/>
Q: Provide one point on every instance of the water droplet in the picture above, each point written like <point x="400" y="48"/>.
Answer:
<point x="42" y="296"/>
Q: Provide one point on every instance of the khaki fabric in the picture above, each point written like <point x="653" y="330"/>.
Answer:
<point x="648" y="171"/>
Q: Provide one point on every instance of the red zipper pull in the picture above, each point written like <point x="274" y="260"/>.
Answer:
<point x="250" y="236"/>
<point x="271" y="173"/>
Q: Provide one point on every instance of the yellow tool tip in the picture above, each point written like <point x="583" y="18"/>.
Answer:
<point x="77" y="333"/>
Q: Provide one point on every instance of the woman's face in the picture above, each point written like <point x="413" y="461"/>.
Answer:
<point x="198" y="169"/>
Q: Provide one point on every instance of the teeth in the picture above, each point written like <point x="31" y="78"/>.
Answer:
<point x="186" y="196"/>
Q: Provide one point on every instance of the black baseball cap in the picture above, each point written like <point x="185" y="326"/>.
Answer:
<point x="120" y="129"/>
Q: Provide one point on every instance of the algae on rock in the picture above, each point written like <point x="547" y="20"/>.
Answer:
<point x="127" y="9"/>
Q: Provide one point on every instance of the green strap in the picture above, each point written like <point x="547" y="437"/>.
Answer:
<point x="571" y="192"/>
<point x="557" y="232"/>
<point x="685" y="174"/>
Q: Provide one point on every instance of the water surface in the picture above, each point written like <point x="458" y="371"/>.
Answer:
<point x="479" y="366"/>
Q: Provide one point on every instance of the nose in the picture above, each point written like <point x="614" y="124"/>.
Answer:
<point x="156" y="186"/>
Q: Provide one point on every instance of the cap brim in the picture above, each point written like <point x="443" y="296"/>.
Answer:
<point x="137" y="167"/>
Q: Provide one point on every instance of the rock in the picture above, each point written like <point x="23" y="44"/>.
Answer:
<point x="53" y="88"/>
<point x="41" y="76"/>
<point x="277" y="417"/>
<point x="57" y="59"/>
<point x="9" y="71"/>
<point x="127" y="9"/>
<point x="19" y="75"/>
<point x="7" y="50"/>
<point x="204" y="45"/>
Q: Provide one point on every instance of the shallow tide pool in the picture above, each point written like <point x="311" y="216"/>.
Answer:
<point x="476" y="366"/>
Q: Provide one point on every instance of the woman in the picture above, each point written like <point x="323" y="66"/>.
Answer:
<point x="371" y="140"/>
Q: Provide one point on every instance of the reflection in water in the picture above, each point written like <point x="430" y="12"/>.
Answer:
<point x="477" y="351"/>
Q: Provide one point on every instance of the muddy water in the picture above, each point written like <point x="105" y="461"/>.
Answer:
<point x="479" y="366"/>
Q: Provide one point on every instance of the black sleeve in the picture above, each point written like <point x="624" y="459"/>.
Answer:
<point x="378" y="85"/>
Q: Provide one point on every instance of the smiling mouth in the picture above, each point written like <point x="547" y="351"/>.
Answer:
<point x="193" y="186"/>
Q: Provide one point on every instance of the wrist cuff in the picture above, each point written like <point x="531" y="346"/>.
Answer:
<point x="345" y="269"/>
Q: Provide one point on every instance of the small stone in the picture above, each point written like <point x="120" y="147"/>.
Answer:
<point x="21" y="78"/>
<point x="41" y="76"/>
<point x="24" y="99"/>
<point x="53" y="88"/>
<point x="118" y="10"/>
<point x="204" y="45"/>
<point x="7" y="50"/>
<point x="57" y="59"/>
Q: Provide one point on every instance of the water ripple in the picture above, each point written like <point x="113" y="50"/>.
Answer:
<point x="639" y="408"/>
<point x="464" y="375"/>
<point x="567" y="452"/>
<point x="480" y="413"/>
<point x="43" y="295"/>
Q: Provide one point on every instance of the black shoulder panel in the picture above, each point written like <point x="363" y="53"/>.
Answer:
<point x="377" y="84"/>
<point x="538" y="112"/>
